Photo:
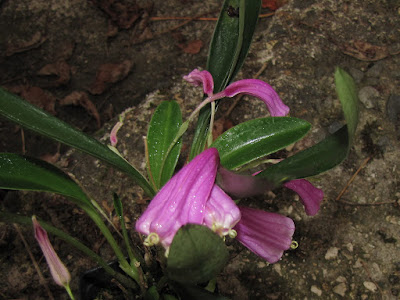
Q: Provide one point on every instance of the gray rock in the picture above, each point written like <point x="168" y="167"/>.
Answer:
<point x="393" y="107"/>
<point x="368" y="96"/>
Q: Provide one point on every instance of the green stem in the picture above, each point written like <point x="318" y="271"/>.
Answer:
<point x="68" y="289"/>
<point x="124" y="265"/>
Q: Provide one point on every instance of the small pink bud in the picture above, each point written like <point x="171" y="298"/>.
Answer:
<point x="58" y="270"/>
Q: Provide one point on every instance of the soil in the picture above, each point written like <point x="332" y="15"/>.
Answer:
<point x="125" y="61"/>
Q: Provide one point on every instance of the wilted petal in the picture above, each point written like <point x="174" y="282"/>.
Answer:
<point x="58" y="270"/>
<point x="240" y="186"/>
<point x="310" y="196"/>
<point x="261" y="90"/>
<point x="181" y="200"/>
<point x="204" y="78"/>
<point x="266" y="234"/>
<point x="222" y="213"/>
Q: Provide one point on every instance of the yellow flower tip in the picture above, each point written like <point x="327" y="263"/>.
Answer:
<point x="151" y="240"/>
<point x="294" y="245"/>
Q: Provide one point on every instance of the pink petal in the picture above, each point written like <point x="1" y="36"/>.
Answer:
<point x="261" y="90"/>
<point x="182" y="199"/>
<point x="204" y="78"/>
<point x="58" y="270"/>
<point x="222" y="213"/>
<point x="310" y="196"/>
<point x="264" y="233"/>
<point x="240" y="186"/>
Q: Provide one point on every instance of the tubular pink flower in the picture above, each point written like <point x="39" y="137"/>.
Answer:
<point x="113" y="134"/>
<point x="221" y="213"/>
<point x="181" y="200"/>
<point x="261" y="90"/>
<point x="197" y="78"/>
<point x="310" y="196"/>
<point x="266" y="234"/>
<point x="240" y="186"/>
<point x="58" y="270"/>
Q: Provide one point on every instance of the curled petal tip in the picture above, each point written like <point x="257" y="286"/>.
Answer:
<point x="261" y="90"/>
<point x="310" y="196"/>
<point x="197" y="78"/>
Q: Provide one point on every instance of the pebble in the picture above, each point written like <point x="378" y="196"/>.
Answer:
<point x="332" y="253"/>
<point x="316" y="290"/>
<point x="368" y="96"/>
<point x="393" y="107"/>
<point x="340" y="289"/>
<point x="370" y="286"/>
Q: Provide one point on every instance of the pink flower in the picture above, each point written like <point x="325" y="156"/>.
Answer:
<point x="181" y="200"/>
<point x="264" y="233"/>
<point x="252" y="87"/>
<point x="58" y="270"/>
<point x="221" y="213"/>
<point x="310" y="196"/>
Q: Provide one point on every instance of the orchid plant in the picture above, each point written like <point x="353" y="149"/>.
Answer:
<point x="195" y="209"/>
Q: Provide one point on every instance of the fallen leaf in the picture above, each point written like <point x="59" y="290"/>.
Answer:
<point x="109" y="73"/>
<point x="60" y="69"/>
<point x="192" y="47"/>
<point x="82" y="99"/>
<point x="122" y="13"/>
<point x="273" y="4"/>
<point x="21" y="46"/>
<point x="36" y="96"/>
<point x="364" y="51"/>
<point x="51" y="158"/>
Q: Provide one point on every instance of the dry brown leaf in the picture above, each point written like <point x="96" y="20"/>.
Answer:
<point x="273" y="4"/>
<point x="110" y="73"/>
<point x="82" y="99"/>
<point x="220" y="126"/>
<point x="192" y="47"/>
<point x="36" y="96"/>
<point x="365" y="51"/>
<point x="60" y="69"/>
<point x="22" y="46"/>
<point x="122" y="13"/>
<point x="51" y="158"/>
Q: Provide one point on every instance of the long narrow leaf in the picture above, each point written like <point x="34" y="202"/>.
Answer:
<point x="35" y="119"/>
<point x="25" y="173"/>
<point x="228" y="49"/>
<point x="331" y="151"/>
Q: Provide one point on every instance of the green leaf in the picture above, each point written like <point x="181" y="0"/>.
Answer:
<point x="257" y="138"/>
<point x="347" y="93"/>
<point x="25" y="173"/>
<point x="196" y="255"/>
<point x="163" y="128"/>
<point x="35" y="119"/>
<point x="328" y="153"/>
<point x="228" y="49"/>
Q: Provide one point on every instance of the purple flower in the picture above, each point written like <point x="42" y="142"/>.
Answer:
<point x="264" y="233"/>
<point x="221" y="213"/>
<point x="252" y="87"/>
<point x="241" y="186"/>
<point x="310" y="196"/>
<point x="181" y="200"/>
<point x="197" y="78"/>
<point x="58" y="270"/>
